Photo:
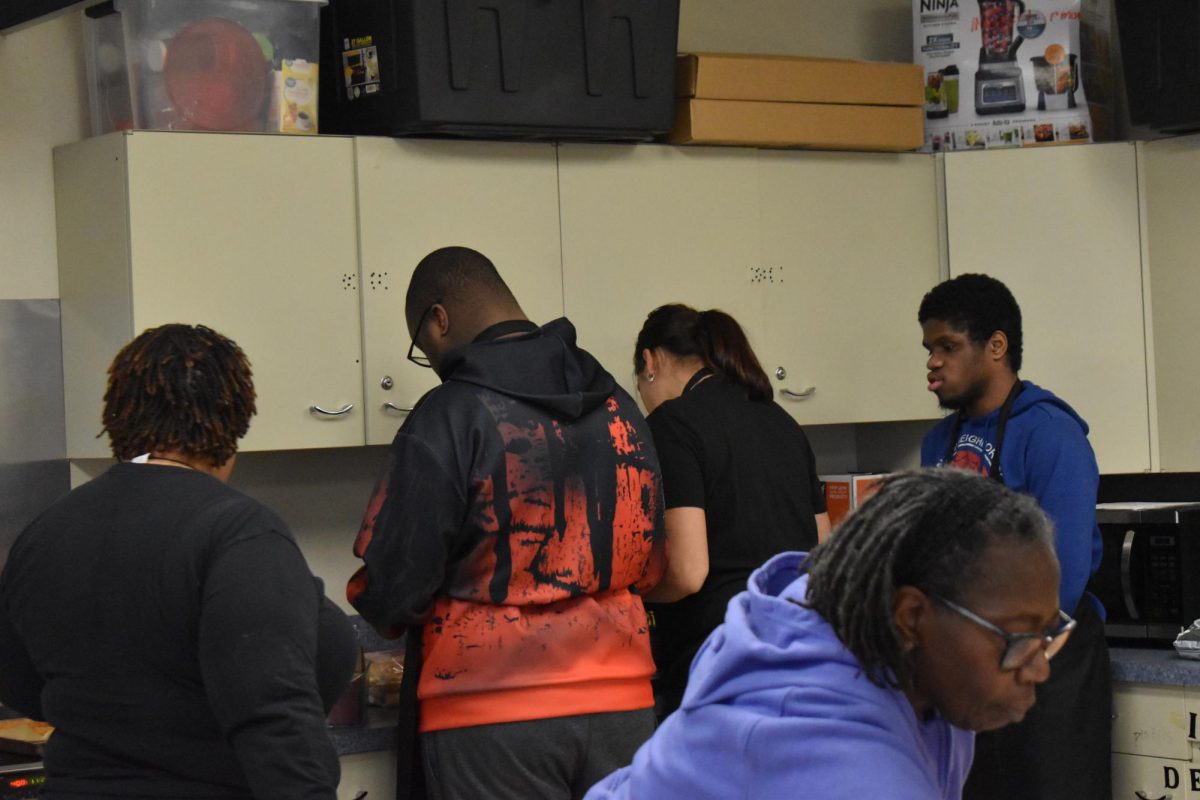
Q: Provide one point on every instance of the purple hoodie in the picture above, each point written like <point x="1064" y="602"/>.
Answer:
<point x="776" y="707"/>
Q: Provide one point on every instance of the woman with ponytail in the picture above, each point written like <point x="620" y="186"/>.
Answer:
<point x="739" y="477"/>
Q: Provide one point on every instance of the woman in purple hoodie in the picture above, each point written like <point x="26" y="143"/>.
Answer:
<point x="863" y="669"/>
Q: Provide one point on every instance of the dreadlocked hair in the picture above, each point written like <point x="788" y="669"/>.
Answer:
<point x="179" y="387"/>
<point x="927" y="529"/>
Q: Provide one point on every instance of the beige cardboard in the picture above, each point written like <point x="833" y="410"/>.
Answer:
<point x="714" y="76"/>
<point x="812" y="125"/>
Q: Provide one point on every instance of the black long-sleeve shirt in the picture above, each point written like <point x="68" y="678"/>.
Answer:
<point x="171" y="631"/>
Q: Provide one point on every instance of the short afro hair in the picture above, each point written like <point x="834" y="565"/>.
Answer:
<point x="978" y="305"/>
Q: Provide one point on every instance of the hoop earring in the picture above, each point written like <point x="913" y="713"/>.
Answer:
<point x="650" y="377"/>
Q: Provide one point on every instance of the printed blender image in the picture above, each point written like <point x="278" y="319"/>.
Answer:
<point x="999" y="82"/>
<point x="1056" y="75"/>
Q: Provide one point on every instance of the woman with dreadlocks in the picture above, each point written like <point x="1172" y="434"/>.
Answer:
<point x="862" y="669"/>
<point x="164" y="623"/>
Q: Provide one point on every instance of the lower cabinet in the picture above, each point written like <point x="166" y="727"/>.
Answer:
<point x="370" y="776"/>
<point x="1154" y="742"/>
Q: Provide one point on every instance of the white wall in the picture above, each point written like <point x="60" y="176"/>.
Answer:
<point x="43" y="103"/>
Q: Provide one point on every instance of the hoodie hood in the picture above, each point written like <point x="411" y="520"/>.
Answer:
<point x="1033" y="394"/>
<point x="544" y="368"/>
<point x="775" y="702"/>
<point x="767" y="638"/>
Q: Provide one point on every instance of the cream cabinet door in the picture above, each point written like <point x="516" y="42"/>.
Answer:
<point x="645" y="225"/>
<point x="500" y="198"/>
<point x="1145" y="778"/>
<point x="1060" y="226"/>
<point x="253" y="236"/>
<point x="850" y="243"/>
<point x="1172" y="172"/>
<point x="371" y="776"/>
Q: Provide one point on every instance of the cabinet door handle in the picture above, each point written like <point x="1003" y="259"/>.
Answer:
<point x="326" y="412"/>
<point x="803" y="395"/>
<point x="390" y="406"/>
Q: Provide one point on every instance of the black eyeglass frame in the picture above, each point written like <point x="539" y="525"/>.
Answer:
<point x="1012" y="658"/>
<point x="421" y="360"/>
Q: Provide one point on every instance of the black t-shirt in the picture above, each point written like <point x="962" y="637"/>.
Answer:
<point x="169" y="628"/>
<point x="750" y="467"/>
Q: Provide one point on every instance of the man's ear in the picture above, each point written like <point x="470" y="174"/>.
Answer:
<point x="910" y="612"/>
<point x="440" y="320"/>
<point x="997" y="346"/>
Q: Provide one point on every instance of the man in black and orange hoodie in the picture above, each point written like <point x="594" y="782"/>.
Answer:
<point x="517" y="523"/>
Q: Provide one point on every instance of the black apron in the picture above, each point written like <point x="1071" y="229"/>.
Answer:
<point x="1062" y="749"/>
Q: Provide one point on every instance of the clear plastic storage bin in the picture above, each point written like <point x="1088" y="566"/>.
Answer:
<point x="210" y="65"/>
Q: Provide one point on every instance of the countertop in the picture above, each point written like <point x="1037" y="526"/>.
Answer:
<point x="1129" y="665"/>
<point x="1153" y="665"/>
<point x="378" y="734"/>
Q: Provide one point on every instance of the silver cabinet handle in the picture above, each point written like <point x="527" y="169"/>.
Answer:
<point x="1127" y="573"/>
<point x="343" y="410"/>
<point x="804" y="395"/>
<point x="390" y="406"/>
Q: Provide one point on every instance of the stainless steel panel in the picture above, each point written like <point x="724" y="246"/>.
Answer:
<point x="31" y="415"/>
<point x="33" y="465"/>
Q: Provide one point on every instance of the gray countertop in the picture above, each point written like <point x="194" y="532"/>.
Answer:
<point x="378" y="734"/>
<point x="1153" y="665"/>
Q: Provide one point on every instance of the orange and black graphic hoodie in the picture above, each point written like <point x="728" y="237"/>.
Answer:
<point x="518" y="520"/>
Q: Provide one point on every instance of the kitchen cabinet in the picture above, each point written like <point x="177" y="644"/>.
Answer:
<point x="500" y="198"/>
<point x="851" y="244"/>
<point x="254" y="236"/>
<point x="1062" y="228"/>
<point x="1172" y="171"/>
<point x="1154" y="740"/>
<point x="647" y="225"/>
<point x="822" y="258"/>
<point x="368" y="775"/>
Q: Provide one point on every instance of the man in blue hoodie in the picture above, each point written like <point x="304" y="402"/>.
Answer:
<point x="1021" y="435"/>
<point x="861" y="670"/>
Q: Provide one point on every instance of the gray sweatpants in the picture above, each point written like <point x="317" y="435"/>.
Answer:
<point x="543" y="759"/>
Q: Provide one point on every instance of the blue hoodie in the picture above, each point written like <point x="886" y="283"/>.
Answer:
<point x="776" y="707"/>
<point x="1045" y="454"/>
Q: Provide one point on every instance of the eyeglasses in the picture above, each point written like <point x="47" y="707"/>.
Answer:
<point x="1019" y="648"/>
<point x="420" y="359"/>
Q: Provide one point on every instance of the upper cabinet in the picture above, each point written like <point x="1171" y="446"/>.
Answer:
<point x="301" y="249"/>
<point x="851" y="244"/>
<point x="821" y="257"/>
<point x="414" y="196"/>
<point x="647" y="225"/>
<point x="254" y="236"/>
<point x="1171" y="169"/>
<point x="1061" y="227"/>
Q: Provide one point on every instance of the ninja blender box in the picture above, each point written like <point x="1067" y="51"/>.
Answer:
<point x="999" y="73"/>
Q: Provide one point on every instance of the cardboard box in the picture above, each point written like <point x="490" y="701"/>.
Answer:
<point x="844" y="493"/>
<point x="715" y="76"/>
<point x="822" y="126"/>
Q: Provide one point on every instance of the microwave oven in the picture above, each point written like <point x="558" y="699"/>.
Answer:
<point x="1149" y="577"/>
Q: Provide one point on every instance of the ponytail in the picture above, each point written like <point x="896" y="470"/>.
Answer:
<point x="728" y="353"/>
<point x="713" y="336"/>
